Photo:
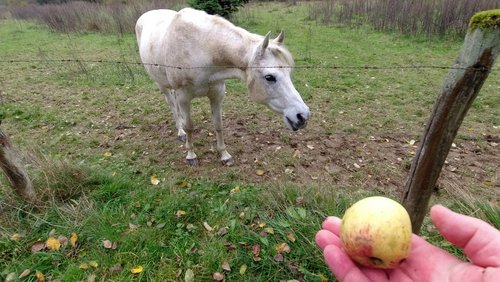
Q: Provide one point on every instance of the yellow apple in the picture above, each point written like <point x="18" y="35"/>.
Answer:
<point x="376" y="232"/>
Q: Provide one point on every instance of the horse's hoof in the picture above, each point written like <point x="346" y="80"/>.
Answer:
<point x="192" y="162"/>
<point x="228" y="162"/>
<point x="182" y="138"/>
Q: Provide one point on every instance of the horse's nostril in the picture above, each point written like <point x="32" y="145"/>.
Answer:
<point x="300" y="118"/>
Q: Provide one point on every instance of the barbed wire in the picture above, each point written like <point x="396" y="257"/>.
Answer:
<point x="178" y="67"/>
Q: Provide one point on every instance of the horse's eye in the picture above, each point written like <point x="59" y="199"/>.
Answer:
<point x="270" y="78"/>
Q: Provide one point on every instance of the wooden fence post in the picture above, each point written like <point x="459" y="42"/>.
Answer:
<point x="15" y="172"/>
<point x="473" y="65"/>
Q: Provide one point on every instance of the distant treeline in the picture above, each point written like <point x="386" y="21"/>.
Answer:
<point x="431" y="17"/>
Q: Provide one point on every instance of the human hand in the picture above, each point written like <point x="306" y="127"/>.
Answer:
<point x="426" y="262"/>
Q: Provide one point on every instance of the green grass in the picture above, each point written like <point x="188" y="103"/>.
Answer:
<point x="93" y="134"/>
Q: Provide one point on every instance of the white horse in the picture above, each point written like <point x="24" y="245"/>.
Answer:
<point x="189" y="54"/>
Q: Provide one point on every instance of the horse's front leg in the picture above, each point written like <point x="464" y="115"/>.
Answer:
<point x="216" y="96"/>
<point x="184" y="103"/>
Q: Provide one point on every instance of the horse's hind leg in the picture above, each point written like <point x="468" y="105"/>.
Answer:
<point x="216" y="95"/>
<point x="174" y="107"/>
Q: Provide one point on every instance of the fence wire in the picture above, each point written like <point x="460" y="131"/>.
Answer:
<point x="479" y="68"/>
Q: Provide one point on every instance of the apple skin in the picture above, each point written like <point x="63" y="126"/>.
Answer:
<point x="376" y="232"/>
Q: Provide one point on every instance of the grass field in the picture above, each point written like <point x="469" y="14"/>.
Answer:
<point x="100" y="145"/>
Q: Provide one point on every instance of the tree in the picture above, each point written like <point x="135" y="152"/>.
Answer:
<point x="223" y="8"/>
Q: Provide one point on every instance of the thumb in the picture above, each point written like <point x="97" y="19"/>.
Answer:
<point x="479" y="240"/>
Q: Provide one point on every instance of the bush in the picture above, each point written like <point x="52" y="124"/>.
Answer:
<point x="218" y="7"/>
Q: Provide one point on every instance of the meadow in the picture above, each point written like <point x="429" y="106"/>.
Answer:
<point x="100" y="145"/>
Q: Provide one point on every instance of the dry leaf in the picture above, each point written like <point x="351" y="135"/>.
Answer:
<point x="73" y="239"/>
<point x="137" y="269"/>
<point x="25" y="273"/>
<point x="207" y="227"/>
<point x="40" y="277"/>
<point x="283" y="248"/>
<point x="222" y="231"/>
<point x="108" y="154"/>
<point x="133" y="226"/>
<point x="117" y="268"/>
<point x="311" y="147"/>
<point x="235" y="190"/>
<point x="154" y="179"/>
<point x="53" y="244"/>
<point x="269" y="230"/>
<point x="10" y="277"/>
<point x="256" y="250"/>
<point x="279" y="258"/>
<point x="226" y="266"/>
<point x="323" y="278"/>
<point x="218" y="276"/>
<point x="291" y="237"/>
<point x="262" y="224"/>
<point x="93" y="263"/>
<point x="91" y="278"/>
<point x="189" y="275"/>
<point x="180" y="213"/>
<point x="260" y="172"/>
<point x="84" y="266"/>
<point x="63" y="240"/>
<point x="15" y="237"/>
<point x="243" y="269"/>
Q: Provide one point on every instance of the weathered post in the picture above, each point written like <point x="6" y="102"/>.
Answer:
<point x="15" y="172"/>
<point x="473" y="65"/>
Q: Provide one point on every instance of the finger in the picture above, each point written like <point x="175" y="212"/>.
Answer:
<point x="325" y="238"/>
<point x="479" y="240"/>
<point x="332" y="224"/>
<point x="342" y="266"/>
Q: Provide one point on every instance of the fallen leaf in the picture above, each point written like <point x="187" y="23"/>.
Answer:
<point x="160" y="225"/>
<point x="91" y="278"/>
<point x="40" y="277"/>
<point x="154" y="179"/>
<point x="412" y="142"/>
<point x="108" y="154"/>
<point x="73" y="239"/>
<point x="311" y="147"/>
<point x="279" y="257"/>
<point x="189" y="275"/>
<point x="243" y="269"/>
<point x="283" y="248"/>
<point x="269" y="230"/>
<point x="226" y="266"/>
<point x="133" y="226"/>
<point x="137" y="269"/>
<point x="180" y="213"/>
<point x="84" y="266"/>
<point x="323" y="278"/>
<point x="25" y="273"/>
<point x="256" y="250"/>
<point x="218" y="276"/>
<point x="207" y="227"/>
<point x="63" y="240"/>
<point x="291" y="237"/>
<point x="10" y="277"/>
<point x="53" y="244"/>
<point x="107" y="244"/>
<point x="260" y="172"/>
<point x="235" y="190"/>
<point x="93" y="263"/>
<point x="117" y="268"/>
<point x="15" y="237"/>
<point x="222" y="231"/>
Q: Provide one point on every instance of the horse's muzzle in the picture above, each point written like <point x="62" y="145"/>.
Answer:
<point x="301" y="121"/>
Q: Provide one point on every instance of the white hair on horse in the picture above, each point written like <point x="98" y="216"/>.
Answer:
<point x="190" y="54"/>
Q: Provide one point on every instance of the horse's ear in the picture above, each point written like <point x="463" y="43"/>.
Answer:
<point x="279" y="39"/>
<point x="264" y="44"/>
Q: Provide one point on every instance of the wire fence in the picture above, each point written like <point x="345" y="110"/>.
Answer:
<point x="479" y="68"/>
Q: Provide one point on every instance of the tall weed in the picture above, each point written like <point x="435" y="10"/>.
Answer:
<point x="82" y="16"/>
<point x="430" y="17"/>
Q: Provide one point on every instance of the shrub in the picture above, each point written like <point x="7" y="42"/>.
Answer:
<point x="218" y="7"/>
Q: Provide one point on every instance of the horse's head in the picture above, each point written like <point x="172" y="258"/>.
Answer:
<point x="269" y="83"/>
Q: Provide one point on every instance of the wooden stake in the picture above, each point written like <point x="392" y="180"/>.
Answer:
<point x="461" y="87"/>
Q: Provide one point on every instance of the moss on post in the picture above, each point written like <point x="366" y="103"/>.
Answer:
<point x="485" y="20"/>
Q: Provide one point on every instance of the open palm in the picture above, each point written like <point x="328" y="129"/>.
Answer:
<point x="426" y="262"/>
